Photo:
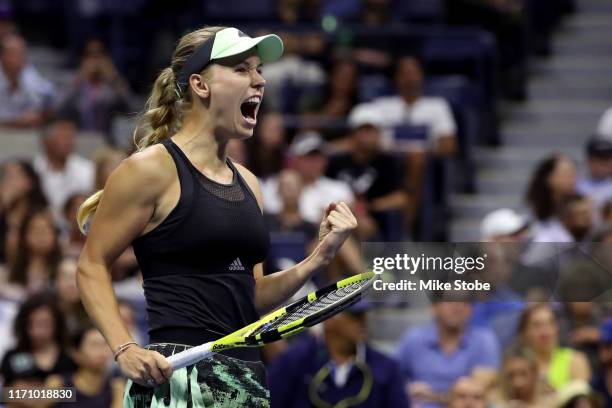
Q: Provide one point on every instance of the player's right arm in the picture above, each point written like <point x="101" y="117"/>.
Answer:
<point x="128" y="207"/>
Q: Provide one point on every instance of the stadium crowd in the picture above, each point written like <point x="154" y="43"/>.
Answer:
<point x="377" y="103"/>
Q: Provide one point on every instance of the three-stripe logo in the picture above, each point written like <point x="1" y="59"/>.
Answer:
<point x="236" y="265"/>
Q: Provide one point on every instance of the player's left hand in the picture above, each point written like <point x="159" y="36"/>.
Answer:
<point x="337" y="225"/>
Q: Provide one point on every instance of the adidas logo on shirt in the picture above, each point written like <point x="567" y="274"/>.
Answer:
<point x="236" y="265"/>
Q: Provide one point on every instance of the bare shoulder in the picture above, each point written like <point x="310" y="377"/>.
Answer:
<point x="147" y="172"/>
<point x="252" y="181"/>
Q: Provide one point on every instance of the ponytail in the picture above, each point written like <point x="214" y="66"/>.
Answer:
<point x="161" y="117"/>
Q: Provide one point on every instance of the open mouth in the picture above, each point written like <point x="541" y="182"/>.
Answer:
<point x="248" y="108"/>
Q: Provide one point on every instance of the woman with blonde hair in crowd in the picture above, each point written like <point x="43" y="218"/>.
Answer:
<point x="195" y="220"/>
<point x="520" y="384"/>
<point x="539" y="332"/>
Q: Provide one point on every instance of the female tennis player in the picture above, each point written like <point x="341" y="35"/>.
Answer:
<point x="195" y="221"/>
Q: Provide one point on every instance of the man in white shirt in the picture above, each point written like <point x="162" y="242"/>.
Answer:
<point x="410" y="107"/>
<point x="62" y="172"/>
<point x="308" y="158"/>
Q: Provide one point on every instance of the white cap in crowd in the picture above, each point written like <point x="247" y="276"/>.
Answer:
<point x="501" y="222"/>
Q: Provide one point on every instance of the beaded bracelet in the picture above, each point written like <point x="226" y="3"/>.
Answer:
<point x="122" y="348"/>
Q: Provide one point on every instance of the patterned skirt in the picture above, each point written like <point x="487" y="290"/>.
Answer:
<point x="216" y="382"/>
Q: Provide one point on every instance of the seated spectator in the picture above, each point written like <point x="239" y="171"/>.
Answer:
<point x="106" y="160"/>
<point x="268" y="145"/>
<point x="604" y="128"/>
<point x="288" y="219"/>
<point x="499" y="309"/>
<point x="520" y="383"/>
<point x="38" y="256"/>
<point x="467" y="393"/>
<point x="20" y="193"/>
<point x="553" y="179"/>
<point x="375" y="177"/>
<point x="98" y="92"/>
<point x="40" y="334"/>
<point x="72" y="238"/>
<point x="579" y="320"/>
<point x="68" y="298"/>
<point x="602" y="380"/>
<point x="503" y="225"/>
<point x="93" y="386"/>
<point x="597" y="183"/>
<point x="410" y="107"/>
<point x="25" y="96"/>
<point x="61" y="170"/>
<point x="308" y="158"/>
<point x="337" y="99"/>
<point x="539" y="331"/>
<point x="573" y="221"/>
<point x="432" y="358"/>
<point x="338" y="368"/>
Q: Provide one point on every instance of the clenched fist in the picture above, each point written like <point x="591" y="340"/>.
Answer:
<point x="337" y="225"/>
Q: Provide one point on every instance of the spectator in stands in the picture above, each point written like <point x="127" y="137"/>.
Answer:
<point x="61" y="170"/>
<point x="340" y="92"/>
<point x="72" y="238"/>
<point x="410" y="107"/>
<point x="539" y="331"/>
<point x="503" y="225"/>
<point x="288" y="219"/>
<point x="580" y="319"/>
<point x="339" y="96"/>
<point x="604" y="128"/>
<point x="467" y="393"/>
<point x="340" y="366"/>
<point x="40" y="334"/>
<point x="499" y="309"/>
<point x="597" y="183"/>
<point x="572" y="222"/>
<point x="520" y="384"/>
<point x="602" y="380"/>
<point x="268" y="145"/>
<point x="553" y="179"/>
<point x="432" y="358"/>
<point x="20" y="193"/>
<point x="106" y="160"/>
<point x="98" y="92"/>
<point x="93" y="385"/>
<point x="308" y="158"/>
<point x="25" y="96"/>
<point x="68" y="298"/>
<point x="377" y="181"/>
<point x="38" y="255"/>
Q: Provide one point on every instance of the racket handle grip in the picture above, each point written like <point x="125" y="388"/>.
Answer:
<point x="190" y="356"/>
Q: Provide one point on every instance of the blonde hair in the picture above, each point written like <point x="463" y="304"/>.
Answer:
<point x="163" y="109"/>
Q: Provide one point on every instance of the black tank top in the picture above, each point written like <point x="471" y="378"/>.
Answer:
<point x="197" y="265"/>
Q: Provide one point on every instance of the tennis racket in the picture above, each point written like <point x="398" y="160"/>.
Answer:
<point x="286" y="321"/>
